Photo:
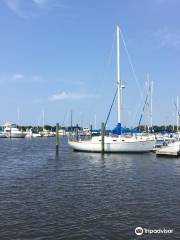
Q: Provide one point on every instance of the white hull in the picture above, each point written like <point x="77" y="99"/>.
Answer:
<point x="15" y="135"/>
<point x="33" y="135"/>
<point x="114" y="145"/>
<point x="2" y="135"/>
<point x="11" y="131"/>
<point x="173" y="149"/>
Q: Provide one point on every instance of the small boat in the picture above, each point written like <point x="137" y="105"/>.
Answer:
<point x="118" y="143"/>
<point x="31" y="134"/>
<point x="47" y="133"/>
<point x="62" y="132"/>
<point x="172" y="149"/>
<point x="12" y="131"/>
<point x="36" y="135"/>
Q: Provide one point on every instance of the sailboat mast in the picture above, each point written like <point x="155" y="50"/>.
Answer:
<point x="18" y="113"/>
<point x="177" y="113"/>
<point x="151" y="123"/>
<point x="118" y="76"/>
<point x="43" y="118"/>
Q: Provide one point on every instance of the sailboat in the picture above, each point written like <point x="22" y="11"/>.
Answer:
<point x="115" y="143"/>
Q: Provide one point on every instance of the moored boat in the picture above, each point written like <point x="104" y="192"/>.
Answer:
<point x="114" y="144"/>
<point x="12" y="131"/>
<point x="118" y="143"/>
<point x="172" y="149"/>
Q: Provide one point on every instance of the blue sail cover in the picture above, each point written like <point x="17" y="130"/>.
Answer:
<point x="120" y="130"/>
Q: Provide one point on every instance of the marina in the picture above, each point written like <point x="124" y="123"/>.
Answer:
<point x="90" y="120"/>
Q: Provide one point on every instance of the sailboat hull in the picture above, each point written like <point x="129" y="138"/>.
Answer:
<point x="113" y="147"/>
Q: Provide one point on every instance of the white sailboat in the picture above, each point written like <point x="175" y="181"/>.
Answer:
<point x="116" y="143"/>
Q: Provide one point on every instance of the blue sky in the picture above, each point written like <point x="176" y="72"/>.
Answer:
<point x="59" y="56"/>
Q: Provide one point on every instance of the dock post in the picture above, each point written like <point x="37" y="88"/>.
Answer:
<point x="102" y="137"/>
<point x="57" y="139"/>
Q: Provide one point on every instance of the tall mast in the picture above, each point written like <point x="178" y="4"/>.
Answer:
<point x="71" y="119"/>
<point x="18" y="113"/>
<point x="148" y="103"/>
<point x="151" y="120"/>
<point x="177" y="113"/>
<point x="95" y="126"/>
<point x="118" y="77"/>
<point x="43" y="118"/>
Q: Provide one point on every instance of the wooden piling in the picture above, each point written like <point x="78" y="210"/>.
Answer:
<point x="102" y="137"/>
<point x="57" y="138"/>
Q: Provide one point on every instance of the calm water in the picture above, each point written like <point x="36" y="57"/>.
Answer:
<point x="84" y="195"/>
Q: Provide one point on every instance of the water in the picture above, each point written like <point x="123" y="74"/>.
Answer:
<point x="84" y="195"/>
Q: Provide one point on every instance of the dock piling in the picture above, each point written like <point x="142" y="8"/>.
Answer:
<point x="77" y="134"/>
<point x="102" y="137"/>
<point x="57" y="139"/>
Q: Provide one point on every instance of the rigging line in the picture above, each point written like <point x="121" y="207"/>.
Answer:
<point x="146" y="102"/>
<point x="143" y="109"/>
<point x="138" y="108"/>
<point x="131" y="65"/>
<point x="111" y="107"/>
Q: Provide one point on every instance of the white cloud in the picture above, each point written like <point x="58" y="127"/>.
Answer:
<point x="40" y="3"/>
<point x="17" y="76"/>
<point x="31" y="8"/>
<point x="11" y="77"/>
<point x="71" y="96"/>
<point x="168" y="38"/>
<point x="14" y="5"/>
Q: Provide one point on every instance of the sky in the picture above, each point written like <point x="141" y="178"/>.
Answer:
<point x="59" y="56"/>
